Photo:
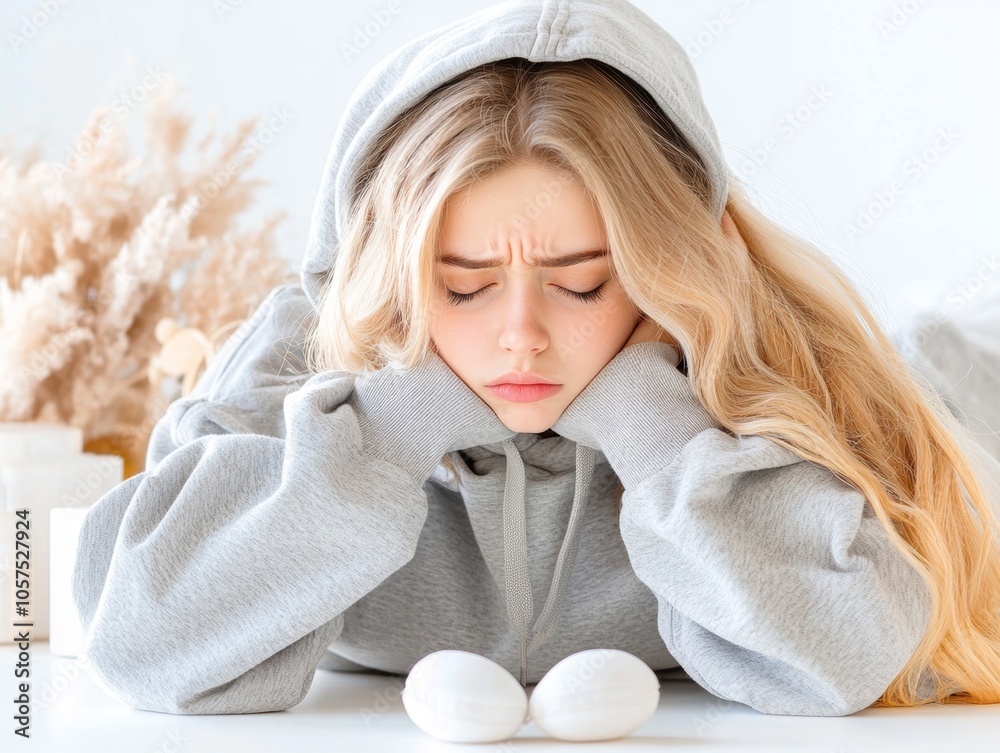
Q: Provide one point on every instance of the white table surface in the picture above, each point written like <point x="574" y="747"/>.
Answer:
<point x="353" y="711"/>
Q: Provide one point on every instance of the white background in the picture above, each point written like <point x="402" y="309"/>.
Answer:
<point x="895" y="74"/>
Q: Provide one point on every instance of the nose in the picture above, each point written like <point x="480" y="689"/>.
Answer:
<point x="523" y="330"/>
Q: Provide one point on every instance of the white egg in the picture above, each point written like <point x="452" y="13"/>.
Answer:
<point x="597" y="694"/>
<point x="462" y="697"/>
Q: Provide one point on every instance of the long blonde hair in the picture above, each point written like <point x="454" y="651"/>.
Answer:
<point x="777" y="340"/>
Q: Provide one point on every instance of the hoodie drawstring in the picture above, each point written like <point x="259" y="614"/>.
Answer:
<point x="520" y="604"/>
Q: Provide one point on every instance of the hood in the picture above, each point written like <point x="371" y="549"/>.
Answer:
<point x="611" y="31"/>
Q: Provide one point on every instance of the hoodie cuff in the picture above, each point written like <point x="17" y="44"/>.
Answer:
<point x="639" y="411"/>
<point x="413" y="417"/>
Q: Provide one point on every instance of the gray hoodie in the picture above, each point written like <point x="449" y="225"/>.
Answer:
<point x="288" y="521"/>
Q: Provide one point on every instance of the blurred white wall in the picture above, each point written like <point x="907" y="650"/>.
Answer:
<point x="869" y="126"/>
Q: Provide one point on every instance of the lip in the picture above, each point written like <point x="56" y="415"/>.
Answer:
<point x="520" y="377"/>
<point x="524" y="393"/>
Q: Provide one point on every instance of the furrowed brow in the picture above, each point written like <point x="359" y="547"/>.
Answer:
<point x="568" y="260"/>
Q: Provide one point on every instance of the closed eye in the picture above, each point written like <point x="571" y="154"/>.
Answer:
<point x="589" y="297"/>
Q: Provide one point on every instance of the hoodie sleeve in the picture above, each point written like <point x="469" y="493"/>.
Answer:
<point x="243" y="389"/>
<point x="214" y="582"/>
<point x="777" y="586"/>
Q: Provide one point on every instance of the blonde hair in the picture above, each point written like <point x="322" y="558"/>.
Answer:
<point x="777" y="340"/>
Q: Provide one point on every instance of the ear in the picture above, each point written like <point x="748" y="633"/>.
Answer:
<point x="729" y="228"/>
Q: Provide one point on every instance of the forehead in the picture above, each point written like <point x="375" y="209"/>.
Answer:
<point x="548" y="215"/>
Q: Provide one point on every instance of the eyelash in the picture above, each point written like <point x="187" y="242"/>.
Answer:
<point x="590" y="296"/>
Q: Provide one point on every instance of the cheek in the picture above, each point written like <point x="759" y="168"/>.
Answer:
<point x="606" y="328"/>
<point x="456" y="332"/>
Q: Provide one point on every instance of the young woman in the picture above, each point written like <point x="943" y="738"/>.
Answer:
<point x="733" y="472"/>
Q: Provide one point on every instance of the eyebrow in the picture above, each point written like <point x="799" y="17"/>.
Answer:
<point x="568" y="260"/>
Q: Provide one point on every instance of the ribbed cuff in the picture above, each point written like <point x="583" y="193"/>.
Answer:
<point x="639" y="411"/>
<point x="412" y="417"/>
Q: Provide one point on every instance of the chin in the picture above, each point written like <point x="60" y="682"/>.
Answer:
<point x="528" y="427"/>
<point x="526" y="418"/>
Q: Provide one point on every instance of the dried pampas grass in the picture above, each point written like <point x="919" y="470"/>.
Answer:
<point x="96" y="250"/>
